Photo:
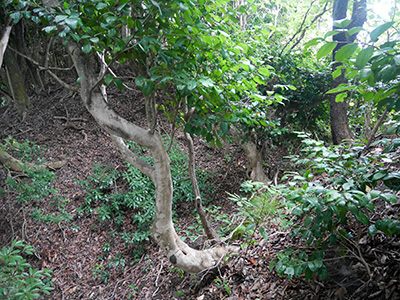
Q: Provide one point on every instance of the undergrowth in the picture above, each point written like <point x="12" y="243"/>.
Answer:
<point x="18" y="280"/>
<point x="127" y="197"/>
<point x="34" y="186"/>
<point x="333" y="198"/>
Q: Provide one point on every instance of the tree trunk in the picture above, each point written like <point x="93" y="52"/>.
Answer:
<point x="338" y="110"/>
<point x="255" y="163"/>
<point x="162" y="229"/>
<point x="15" y="82"/>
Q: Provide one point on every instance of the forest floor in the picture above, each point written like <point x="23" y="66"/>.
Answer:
<point x="74" y="250"/>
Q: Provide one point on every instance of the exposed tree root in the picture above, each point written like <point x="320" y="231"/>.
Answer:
<point x="18" y="166"/>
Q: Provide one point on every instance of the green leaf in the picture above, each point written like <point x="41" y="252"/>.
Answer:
<point x="341" y="23"/>
<point x="379" y="30"/>
<point x="396" y="60"/>
<point x="362" y="218"/>
<point x="16" y="16"/>
<point x="60" y="18"/>
<point x="326" y="49"/>
<point x="312" y="42"/>
<point x="372" y="229"/>
<point x="108" y="79"/>
<point x="387" y="73"/>
<point x="263" y="233"/>
<point x="250" y="227"/>
<point x="263" y="71"/>
<point x="363" y="57"/>
<point x="49" y="29"/>
<point x="191" y="85"/>
<point x="289" y="271"/>
<point x="118" y="84"/>
<point x="345" y="52"/>
<point x="323" y="272"/>
<point x="87" y="48"/>
<point x="340" y="97"/>
<point x="337" y="73"/>
<point x="330" y="33"/>
<point x="207" y="82"/>
<point x="140" y="81"/>
<point x="219" y="144"/>
<point x="354" y="30"/>
<point x="148" y="88"/>
<point x="308" y="274"/>
<point x="225" y="127"/>
<point x="72" y="22"/>
<point x="224" y="53"/>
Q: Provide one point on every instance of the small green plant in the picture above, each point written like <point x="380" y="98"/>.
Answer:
<point x="37" y="183"/>
<point x="18" y="280"/>
<point x="101" y="272"/>
<point x="180" y="293"/>
<point x="334" y="199"/>
<point x="134" y="290"/>
<point x="134" y="204"/>
<point x="222" y="284"/>
<point x="260" y="204"/>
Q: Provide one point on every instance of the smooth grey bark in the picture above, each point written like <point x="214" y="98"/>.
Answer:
<point x="255" y="163"/>
<point x="162" y="229"/>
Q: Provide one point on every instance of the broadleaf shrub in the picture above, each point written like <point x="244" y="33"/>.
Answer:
<point x="133" y="202"/>
<point x="334" y="198"/>
<point x="18" y="280"/>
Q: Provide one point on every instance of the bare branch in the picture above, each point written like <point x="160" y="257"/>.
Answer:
<point x="131" y="158"/>
<point x="41" y="68"/>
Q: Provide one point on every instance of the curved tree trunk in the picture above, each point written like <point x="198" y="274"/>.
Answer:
<point x="339" y="121"/>
<point x="162" y="229"/>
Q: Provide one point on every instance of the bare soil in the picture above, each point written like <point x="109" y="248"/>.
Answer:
<point x="58" y="121"/>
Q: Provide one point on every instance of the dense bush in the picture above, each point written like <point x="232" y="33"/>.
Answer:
<point x="18" y="280"/>
<point x="334" y="198"/>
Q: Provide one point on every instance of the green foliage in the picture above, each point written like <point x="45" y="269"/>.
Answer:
<point x="260" y="204"/>
<point x="135" y="206"/>
<point x="372" y="70"/>
<point x="135" y="203"/>
<point x="18" y="280"/>
<point x="26" y="151"/>
<point x="334" y="198"/>
<point x="195" y="48"/>
<point x="107" y="265"/>
<point x="298" y="86"/>
<point x="36" y="185"/>
<point x="222" y="284"/>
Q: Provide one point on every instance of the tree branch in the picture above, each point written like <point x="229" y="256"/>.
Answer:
<point x="211" y="234"/>
<point x="131" y="158"/>
<point x="41" y="68"/>
<point x="324" y="10"/>
<point x="300" y="28"/>
<point x="375" y="129"/>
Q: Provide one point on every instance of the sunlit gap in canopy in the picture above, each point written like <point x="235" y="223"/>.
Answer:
<point x="383" y="8"/>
